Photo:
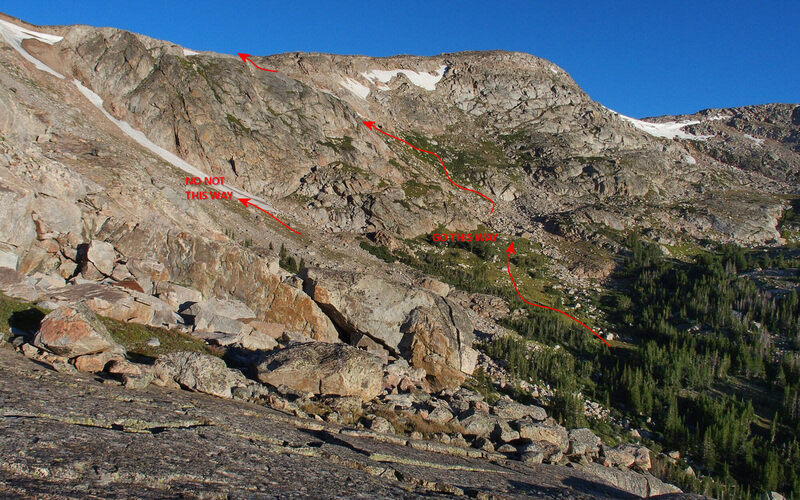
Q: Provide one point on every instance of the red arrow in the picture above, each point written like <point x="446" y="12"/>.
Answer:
<point x="371" y="126"/>
<point x="246" y="58"/>
<point x="509" y="251"/>
<point x="246" y="202"/>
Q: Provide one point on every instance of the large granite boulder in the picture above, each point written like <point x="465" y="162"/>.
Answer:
<point x="323" y="368"/>
<point x="430" y="331"/>
<point x="197" y="372"/>
<point x="544" y="431"/>
<point x="511" y="410"/>
<point x="73" y="331"/>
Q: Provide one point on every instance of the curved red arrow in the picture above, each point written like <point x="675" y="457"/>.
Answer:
<point x="246" y="202"/>
<point x="246" y="58"/>
<point x="509" y="251"/>
<point x="371" y="126"/>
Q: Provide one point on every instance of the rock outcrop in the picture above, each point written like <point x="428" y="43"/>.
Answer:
<point x="74" y="331"/>
<point x="321" y="368"/>
<point x="197" y="372"/>
<point x="432" y="332"/>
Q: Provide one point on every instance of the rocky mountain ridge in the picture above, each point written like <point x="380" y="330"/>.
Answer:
<point x="96" y="219"/>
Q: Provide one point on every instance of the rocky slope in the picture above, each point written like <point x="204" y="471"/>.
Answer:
<point x="99" y="129"/>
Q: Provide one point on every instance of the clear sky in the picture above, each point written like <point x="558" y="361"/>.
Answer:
<point x="640" y="58"/>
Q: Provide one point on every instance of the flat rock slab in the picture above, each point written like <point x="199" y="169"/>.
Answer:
<point x="79" y="437"/>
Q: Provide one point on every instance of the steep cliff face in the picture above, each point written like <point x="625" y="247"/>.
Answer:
<point x="510" y="124"/>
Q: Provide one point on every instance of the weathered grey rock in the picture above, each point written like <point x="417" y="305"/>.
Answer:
<point x="540" y="451"/>
<point x="438" y="339"/>
<point x="643" y="485"/>
<point x="440" y="415"/>
<point x="8" y="259"/>
<point x="582" y="442"/>
<point x="503" y="432"/>
<point x="226" y="308"/>
<point x="16" y="285"/>
<point x="322" y="368"/>
<point x="627" y="455"/>
<point x="380" y="424"/>
<point x="73" y="331"/>
<point x="257" y="341"/>
<point x="102" y="255"/>
<point x="429" y="331"/>
<point x="197" y="372"/>
<point x="179" y="297"/>
<point x="117" y="303"/>
<point x="511" y="410"/>
<point x="478" y="423"/>
<point x="543" y="431"/>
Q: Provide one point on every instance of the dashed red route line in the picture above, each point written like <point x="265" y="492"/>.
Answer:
<point x="371" y="126"/>
<point x="509" y="251"/>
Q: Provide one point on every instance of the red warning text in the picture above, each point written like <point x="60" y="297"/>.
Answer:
<point x="481" y="237"/>
<point x="208" y="181"/>
<point x="209" y="195"/>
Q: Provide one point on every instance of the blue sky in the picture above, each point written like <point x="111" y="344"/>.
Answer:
<point x="637" y="57"/>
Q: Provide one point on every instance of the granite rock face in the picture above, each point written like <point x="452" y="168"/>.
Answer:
<point x="157" y="443"/>
<point x="322" y="368"/>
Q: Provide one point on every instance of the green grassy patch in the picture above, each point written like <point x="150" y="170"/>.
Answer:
<point x="20" y="315"/>
<point x="416" y="189"/>
<point x="339" y="144"/>
<point x="133" y="337"/>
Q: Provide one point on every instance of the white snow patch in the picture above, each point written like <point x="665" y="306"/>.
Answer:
<point x="689" y="160"/>
<point x="668" y="130"/>
<point x="719" y="117"/>
<point x="14" y="35"/>
<point x="353" y="86"/>
<point x="172" y="158"/>
<point x="555" y="71"/>
<point x="426" y="81"/>
<point x="757" y="140"/>
<point x="189" y="52"/>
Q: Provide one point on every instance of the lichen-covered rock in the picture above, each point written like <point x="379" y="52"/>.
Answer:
<point x="544" y="431"/>
<point x="511" y="410"/>
<point x="438" y="339"/>
<point x="73" y="331"/>
<point x="582" y="442"/>
<point x="540" y="451"/>
<point x="431" y="332"/>
<point x="197" y="372"/>
<point x="478" y="423"/>
<point x="323" y="368"/>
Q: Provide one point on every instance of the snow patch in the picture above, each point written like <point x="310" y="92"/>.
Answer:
<point x="169" y="157"/>
<point x="353" y="86"/>
<point x="555" y="71"/>
<point x="189" y="52"/>
<point x="668" y="130"/>
<point x="14" y="35"/>
<point x="719" y="117"/>
<point x="689" y="160"/>
<point x="757" y="140"/>
<point x="426" y="81"/>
